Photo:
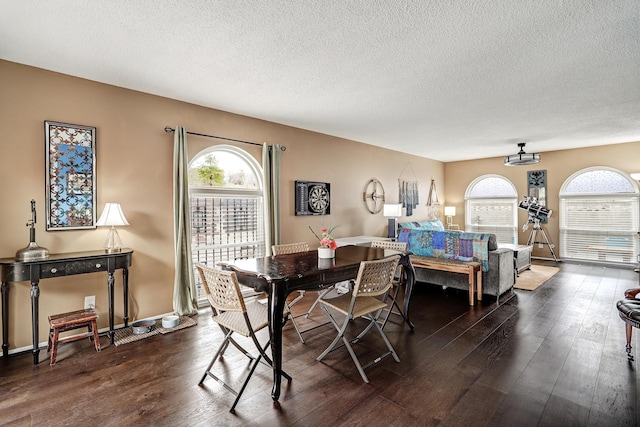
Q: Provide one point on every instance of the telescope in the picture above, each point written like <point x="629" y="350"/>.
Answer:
<point x="537" y="214"/>
<point x="535" y="210"/>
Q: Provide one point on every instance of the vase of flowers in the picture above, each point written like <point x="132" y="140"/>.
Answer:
<point x="328" y="245"/>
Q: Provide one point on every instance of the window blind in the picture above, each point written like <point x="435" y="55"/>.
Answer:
<point x="490" y="215"/>
<point x="599" y="228"/>
<point x="225" y="227"/>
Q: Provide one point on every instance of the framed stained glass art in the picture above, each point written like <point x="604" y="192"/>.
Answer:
<point x="70" y="176"/>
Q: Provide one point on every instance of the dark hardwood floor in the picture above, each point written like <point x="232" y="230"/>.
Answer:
<point x="551" y="357"/>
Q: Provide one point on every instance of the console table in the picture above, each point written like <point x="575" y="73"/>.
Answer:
<point x="58" y="265"/>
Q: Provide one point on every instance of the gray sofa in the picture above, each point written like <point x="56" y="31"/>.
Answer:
<point x="498" y="273"/>
<point x="499" y="278"/>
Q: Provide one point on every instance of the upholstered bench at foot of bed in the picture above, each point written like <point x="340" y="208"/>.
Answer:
<point x="471" y="268"/>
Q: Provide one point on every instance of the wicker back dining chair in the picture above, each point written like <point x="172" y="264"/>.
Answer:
<point x="398" y="278"/>
<point x="234" y="315"/>
<point x="292" y="248"/>
<point x="373" y="281"/>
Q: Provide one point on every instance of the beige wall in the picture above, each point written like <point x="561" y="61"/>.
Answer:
<point x="134" y="161"/>
<point x="559" y="165"/>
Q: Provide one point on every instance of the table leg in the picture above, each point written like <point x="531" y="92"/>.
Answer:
<point x="110" y="285"/>
<point x="5" y="319"/>
<point x="35" y="295"/>
<point x="410" y="276"/>
<point x="125" y="286"/>
<point x="472" y="285"/>
<point x="277" y="298"/>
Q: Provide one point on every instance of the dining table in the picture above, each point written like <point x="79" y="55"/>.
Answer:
<point x="279" y="275"/>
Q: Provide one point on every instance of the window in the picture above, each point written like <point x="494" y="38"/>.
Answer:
<point x="491" y="207"/>
<point x="225" y="192"/>
<point x="599" y="216"/>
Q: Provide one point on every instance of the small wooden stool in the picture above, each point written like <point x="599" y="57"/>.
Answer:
<point x="68" y="321"/>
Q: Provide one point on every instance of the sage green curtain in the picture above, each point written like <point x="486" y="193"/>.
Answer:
<point x="271" y="179"/>
<point x="184" y="287"/>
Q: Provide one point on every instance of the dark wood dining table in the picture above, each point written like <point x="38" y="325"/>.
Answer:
<point x="279" y="275"/>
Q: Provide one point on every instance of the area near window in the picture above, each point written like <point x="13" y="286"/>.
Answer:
<point x="225" y="191"/>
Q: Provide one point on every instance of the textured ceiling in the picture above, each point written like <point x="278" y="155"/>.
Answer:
<point x="444" y="79"/>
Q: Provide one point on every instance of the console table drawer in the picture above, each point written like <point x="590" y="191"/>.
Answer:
<point x="53" y="270"/>
<point x="89" y="266"/>
<point x="76" y="267"/>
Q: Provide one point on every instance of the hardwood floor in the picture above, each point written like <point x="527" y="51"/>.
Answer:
<point x="554" y="356"/>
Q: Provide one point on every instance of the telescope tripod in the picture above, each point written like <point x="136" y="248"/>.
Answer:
<point x="532" y="237"/>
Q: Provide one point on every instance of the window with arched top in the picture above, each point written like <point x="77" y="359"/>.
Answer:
<point x="599" y="216"/>
<point x="491" y="207"/>
<point x="226" y="199"/>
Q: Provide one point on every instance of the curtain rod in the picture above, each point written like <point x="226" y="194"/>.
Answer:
<point x="168" y="129"/>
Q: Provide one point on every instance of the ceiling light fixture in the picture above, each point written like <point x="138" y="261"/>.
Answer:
<point x="522" y="158"/>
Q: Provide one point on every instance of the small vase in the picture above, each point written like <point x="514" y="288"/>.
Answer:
<point x="326" y="253"/>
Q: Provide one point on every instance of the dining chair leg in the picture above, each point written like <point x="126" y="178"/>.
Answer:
<point x="355" y="360"/>
<point x="263" y="354"/>
<point x="386" y="341"/>
<point x="244" y="384"/>
<point x="224" y="345"/>
<point x="338" y="337"/>
<point x="341" y="337"/>
<point x="394" y="303"/>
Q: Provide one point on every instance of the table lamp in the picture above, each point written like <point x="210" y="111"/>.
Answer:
<point x="449" y="212"/>
<point x="111" y="216"/>
<point x="393" y="211"/>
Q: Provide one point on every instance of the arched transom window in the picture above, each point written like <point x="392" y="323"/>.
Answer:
<point x="491" y="204"/>
<point x="599" y="216"/>
<point x="226" y="198"/>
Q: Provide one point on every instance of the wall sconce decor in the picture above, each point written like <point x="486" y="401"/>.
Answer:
<point x="432" y="201"/>
<point x="70" y="176"/>
<point x="112" y="216"/>
<point x="373" y="196"/>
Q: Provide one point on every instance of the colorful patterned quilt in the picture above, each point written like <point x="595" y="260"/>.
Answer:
<point x="457" y="245"/>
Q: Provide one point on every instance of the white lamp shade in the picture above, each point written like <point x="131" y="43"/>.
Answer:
<point x="449" y="211"/>
<point x="393" y="210"/>
<point x="112" y="216"/>
<point x="636" y="176"/>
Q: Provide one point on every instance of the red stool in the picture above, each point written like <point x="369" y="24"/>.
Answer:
<point x="68" y="321"/>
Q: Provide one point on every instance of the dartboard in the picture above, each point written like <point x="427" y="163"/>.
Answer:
<point x="318" y="198"/>
<point x="313" y="198"/>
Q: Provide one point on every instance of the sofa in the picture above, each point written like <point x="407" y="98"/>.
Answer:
<point x="430" y="239"/>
